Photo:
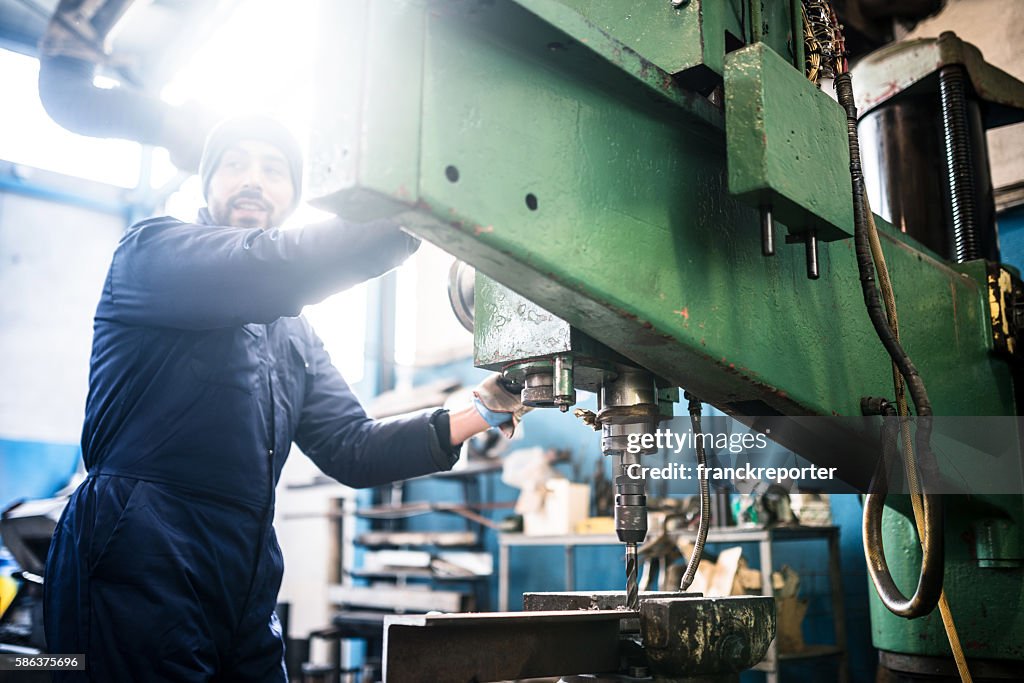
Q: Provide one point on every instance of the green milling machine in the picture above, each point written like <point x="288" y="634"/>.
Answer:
<point x="658" y="195"/>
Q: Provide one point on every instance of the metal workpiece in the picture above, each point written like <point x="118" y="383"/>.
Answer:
<point x="681" y="638"/>
<point x="693" y="637"/>
<point x="500" y="646"/>
<point x="589" y="600"/>
<point x="684" y="635"/>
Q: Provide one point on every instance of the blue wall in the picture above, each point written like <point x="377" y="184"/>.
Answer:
<point x="31" y="469"/>
<point x="1011" y="236"/>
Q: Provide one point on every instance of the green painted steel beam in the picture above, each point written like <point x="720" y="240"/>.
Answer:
<point x="634" y="239"/>
<point x="689" y="42"/>
<point x="547" y="148"/>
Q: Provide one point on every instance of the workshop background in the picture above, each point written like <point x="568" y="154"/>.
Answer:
<point x="65" y="200"/>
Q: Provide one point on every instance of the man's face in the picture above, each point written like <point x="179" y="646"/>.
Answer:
<point x="251" y="186"/>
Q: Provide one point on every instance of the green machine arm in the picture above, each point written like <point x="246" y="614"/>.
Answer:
<point x="459" y="117"/>
<point x="608" y="162"/>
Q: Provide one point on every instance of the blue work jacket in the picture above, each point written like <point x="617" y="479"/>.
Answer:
<point x="203" y="373"/>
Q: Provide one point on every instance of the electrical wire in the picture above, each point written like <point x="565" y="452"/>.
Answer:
<point x="705" y="496"/>
<point x="926" y="508"/>
<point x="824" y="44"/>
<point x="903" y="410"/>
<point x="929" y="586"/>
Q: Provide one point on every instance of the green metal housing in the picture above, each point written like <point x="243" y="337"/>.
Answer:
<point x="543" y="146"/>
<point x="797" y="165"/>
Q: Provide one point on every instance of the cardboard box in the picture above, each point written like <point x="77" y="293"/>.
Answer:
<point x="565" y="505"/>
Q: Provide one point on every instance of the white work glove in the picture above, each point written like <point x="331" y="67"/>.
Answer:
<point x="498" y="406"/>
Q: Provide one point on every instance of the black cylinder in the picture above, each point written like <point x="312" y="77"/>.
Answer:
<point x="926" y="170"/>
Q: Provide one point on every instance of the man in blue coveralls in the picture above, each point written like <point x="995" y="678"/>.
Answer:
<point x="165" y="566"/>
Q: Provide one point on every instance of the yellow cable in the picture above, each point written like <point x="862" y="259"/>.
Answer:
<point x="885" y="285"/>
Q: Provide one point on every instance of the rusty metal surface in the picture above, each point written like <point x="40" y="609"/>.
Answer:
<point x="708" y="636"/>
<point x="590" y="600"/>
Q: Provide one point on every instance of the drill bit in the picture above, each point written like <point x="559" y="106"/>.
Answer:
<point x="632" y="586"/>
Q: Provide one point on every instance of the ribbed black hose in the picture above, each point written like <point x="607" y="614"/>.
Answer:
<point x="929" y="586"/>
<point x="705" y="497"/>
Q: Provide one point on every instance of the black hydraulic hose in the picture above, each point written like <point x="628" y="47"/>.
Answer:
<point x="705" y="497"/>
<point x="930" y="579"/>
<point x="929" y="587"/>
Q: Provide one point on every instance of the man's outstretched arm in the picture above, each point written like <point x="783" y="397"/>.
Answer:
<point x="166" y="273"/>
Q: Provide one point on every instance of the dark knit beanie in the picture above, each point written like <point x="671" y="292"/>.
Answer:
<point x="262" y="128"/>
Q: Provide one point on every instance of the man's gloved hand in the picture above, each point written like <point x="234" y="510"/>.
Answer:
<point x="498" y="406"/>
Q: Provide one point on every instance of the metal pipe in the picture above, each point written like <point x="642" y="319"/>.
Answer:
<point x="811" y="245"/>
<point x="797" y="12"/>
<point x="755" y="21"/>
<point x="929" y="582"/>
<point x="767" y="231"/>
<point x="71" y="50"/>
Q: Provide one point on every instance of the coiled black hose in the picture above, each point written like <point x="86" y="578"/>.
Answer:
<point x="929" y="586"/>
<point x="929" y="581"/>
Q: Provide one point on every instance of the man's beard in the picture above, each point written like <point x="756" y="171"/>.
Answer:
<point x="262" y="212"/>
